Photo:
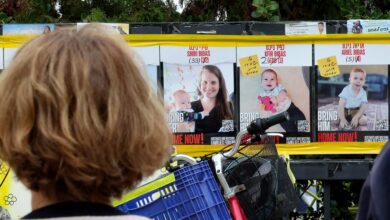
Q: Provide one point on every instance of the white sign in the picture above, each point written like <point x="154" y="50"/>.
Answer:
<point x="197" y="54"/>
<point x="353" y="53"/>
<point x="368" y="26"/>
<point x="150" y="55"/>
<point x="274" y="55"/>
<point x="299" y="28"/>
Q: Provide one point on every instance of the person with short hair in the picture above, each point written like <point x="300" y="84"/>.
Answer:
<point x="79" y="123"/>
<point x="353" y="101"/>
<point x="321" y="27"/>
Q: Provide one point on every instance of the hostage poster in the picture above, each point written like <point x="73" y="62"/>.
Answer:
<point x="368" y="26"/>
<point x="353" y="102"/>
<point x="199" y="92"/>
<point x="282" y="83"/>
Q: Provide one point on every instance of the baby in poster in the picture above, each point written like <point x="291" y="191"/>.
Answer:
<point x="273" y="91"/>
<point x="354" y="100"/>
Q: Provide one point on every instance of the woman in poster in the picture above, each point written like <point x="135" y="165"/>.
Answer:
<point x="213" y="100"/>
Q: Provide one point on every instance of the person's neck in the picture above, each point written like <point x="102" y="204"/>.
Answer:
<point x="208" y="103"/>
<point x="39" y="200"/>
<point x="207" y="100"/>
<point x="356" y="90"/>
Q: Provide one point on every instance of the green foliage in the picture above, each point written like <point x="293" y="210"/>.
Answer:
<point x="73" y="10"/>
<point x="220" y="10"/>
<point x="28" y="11"/>
<point x="118" y="11"/>
<point x="4" y="18"/>
<point x="44" y="11"/>
<point x="96" y="15"/>
<point x="148" y="11"/>
<point x="354" y="9"/>
<point x="266" y="10"/>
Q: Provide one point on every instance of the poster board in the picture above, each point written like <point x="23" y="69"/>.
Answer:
<point x="283" y="84"/>
<point x="199" y="74"/>
<point x="176" y="52"/>
<point x="362" y="81"/>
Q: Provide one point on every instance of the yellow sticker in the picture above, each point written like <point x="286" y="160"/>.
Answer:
<point x="250" y="66"/>
<point x="328" y="67"/>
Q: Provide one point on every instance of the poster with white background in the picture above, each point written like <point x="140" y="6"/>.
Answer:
<point x="274" y="55"/>
<point x="357" y="26"/>
<point x="353" y="53"/>
<point x="300" y="28"/>
<point x="283" y="84"/>
<point x="363" y="71"/>
<point x="188" y="72"/>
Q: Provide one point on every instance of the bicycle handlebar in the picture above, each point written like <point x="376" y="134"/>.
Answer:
<point x="256" y="127"/>
<point x="260" y="125"/>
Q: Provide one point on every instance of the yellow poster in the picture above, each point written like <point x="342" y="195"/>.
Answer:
<point x="328" y="67"/>
<point x="250" y="66"/>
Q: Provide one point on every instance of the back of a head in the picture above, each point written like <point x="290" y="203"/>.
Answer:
<point x="78" y="120"/>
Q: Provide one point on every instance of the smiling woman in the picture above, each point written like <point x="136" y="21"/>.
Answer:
<point x="213" y="100"/>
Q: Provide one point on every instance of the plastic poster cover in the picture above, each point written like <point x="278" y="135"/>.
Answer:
<point x="150" y="57"/>
<point x="282" y="84"/>
<point x="1" y="59"/>
<point x="299" y="28"/>
<point x="120" y="28"/>
<point x="29" y="29"/>
<point x="152" y="76"/>
<point x="361" y="85"/>
<point x="193" y="75"/>
<point x="368" y="26"/>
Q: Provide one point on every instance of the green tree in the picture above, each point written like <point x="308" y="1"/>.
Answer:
<point x="267" y="10"/>
<point x="148" y="11"/>
<point x="96" y="14"/>
<point x="38" y="11"/>
<point x="73" y="10"/>
<point x="221" y="10"/>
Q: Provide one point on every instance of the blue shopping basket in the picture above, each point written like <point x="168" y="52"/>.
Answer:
<point x="194" y="194"/>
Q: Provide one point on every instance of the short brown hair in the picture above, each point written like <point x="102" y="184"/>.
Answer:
<point x="358" y="70"/>
<point x="78" y="118"/>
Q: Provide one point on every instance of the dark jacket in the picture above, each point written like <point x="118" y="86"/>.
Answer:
<point x="375" y="195"/>
<point x="80" y="210"/>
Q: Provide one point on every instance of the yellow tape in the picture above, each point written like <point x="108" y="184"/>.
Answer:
<point x="253" y="40"/>
<point x="14" y="41"/>
<point x="142" y="40"/>
<point x="289" y="171"/>
<point x="296" y="149"/>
